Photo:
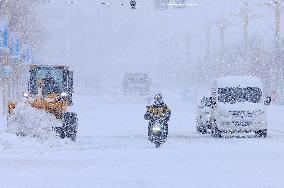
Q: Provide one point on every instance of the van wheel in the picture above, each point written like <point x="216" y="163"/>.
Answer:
<point x="201" y="130"/>
<point x="261" y="133"/>
<point x="215" y="132"/>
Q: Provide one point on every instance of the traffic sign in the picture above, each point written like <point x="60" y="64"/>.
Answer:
<point x="4" y="33"/>
<point x="15" y="45"/>
<point x="27" y="54"/>
<point x="7" y="71"/>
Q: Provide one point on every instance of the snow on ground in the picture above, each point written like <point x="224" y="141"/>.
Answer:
<point x="112" y="148"/>
<point x="112" y="151"/>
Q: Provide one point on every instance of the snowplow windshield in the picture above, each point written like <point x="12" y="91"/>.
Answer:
<point x="236" y="94"/>
<point x="52" y="79"/>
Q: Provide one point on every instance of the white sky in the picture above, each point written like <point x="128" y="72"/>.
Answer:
<point x="107" y="41"/>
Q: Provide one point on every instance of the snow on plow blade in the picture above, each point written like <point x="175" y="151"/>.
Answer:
<point x="28" y="121"/>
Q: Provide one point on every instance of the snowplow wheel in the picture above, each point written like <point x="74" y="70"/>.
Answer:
<point x="70" y="125"/>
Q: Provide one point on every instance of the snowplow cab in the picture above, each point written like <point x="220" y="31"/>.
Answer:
<point x="51" y="88"/>
<point x="54" y="80"/>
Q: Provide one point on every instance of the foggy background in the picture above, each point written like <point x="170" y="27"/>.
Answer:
<point x="178" y="47"/>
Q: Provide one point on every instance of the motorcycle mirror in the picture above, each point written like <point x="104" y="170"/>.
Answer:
<point x="267" y="100"/>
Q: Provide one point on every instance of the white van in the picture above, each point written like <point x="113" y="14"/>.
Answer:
<point x="237" y="105"/>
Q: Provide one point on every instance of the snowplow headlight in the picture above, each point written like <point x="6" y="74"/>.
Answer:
<point x="63" y="94"/>
<point x="25" y="95"/>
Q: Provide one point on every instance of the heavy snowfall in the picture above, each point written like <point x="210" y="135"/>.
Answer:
<point x="187" y="50"/>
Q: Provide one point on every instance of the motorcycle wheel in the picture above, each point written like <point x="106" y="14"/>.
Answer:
<point x="157" y="145"/>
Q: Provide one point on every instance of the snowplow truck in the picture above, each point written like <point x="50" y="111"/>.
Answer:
<point x="50" y="88"/>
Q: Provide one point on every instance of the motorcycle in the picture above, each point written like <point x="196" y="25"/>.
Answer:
<point x="157" y="131"/>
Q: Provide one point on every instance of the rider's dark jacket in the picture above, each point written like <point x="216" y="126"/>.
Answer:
<point x="159" y="109"/>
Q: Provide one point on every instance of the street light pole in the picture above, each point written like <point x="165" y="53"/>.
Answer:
<point x="222" y="25"/>
<point x="245" y="15"/>
<point x="276" y="6"/>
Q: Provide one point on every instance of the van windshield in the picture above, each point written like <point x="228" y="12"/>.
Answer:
<point x="237" y="94"/>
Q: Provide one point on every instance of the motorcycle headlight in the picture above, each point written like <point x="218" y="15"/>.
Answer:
<point x="156" y="128"/>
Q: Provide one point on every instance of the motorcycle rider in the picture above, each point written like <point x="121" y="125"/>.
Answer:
<point x="158" y="108"/>
<point x="132" y="4"/>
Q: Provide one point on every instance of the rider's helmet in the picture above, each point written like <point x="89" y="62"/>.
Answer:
<point x="158" y="99"/>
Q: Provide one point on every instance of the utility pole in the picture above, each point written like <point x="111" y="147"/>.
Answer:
<point x="245" y="16"/>
<point x="276" y="6"/>
<point x="277" y="76"/>
<point x="222" y="24"/>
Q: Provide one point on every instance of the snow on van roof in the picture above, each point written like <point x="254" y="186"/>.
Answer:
<point x="238" y="81"/>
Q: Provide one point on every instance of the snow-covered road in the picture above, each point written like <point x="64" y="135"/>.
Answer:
<point x="113" y="151"/>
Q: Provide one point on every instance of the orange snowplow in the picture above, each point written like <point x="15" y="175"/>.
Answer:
<point x="51" y="88"/>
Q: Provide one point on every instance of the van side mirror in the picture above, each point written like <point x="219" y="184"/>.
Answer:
<point x="267" y="100"/>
